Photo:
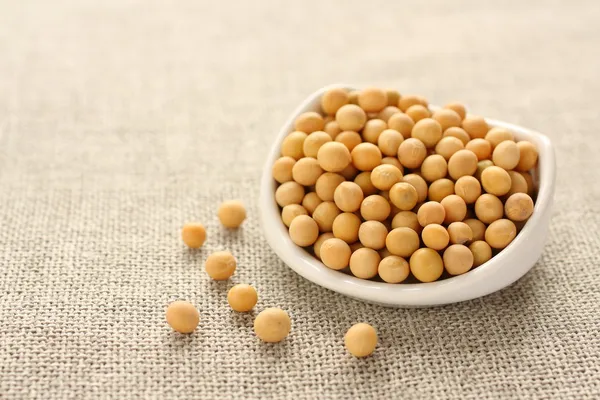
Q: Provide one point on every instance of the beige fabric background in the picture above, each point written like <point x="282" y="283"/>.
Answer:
<point x="121" y="120"/>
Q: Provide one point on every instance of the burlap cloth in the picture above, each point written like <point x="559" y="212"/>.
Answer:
<point x="121" y="120"/>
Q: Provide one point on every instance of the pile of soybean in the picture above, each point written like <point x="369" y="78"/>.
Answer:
<point x="378" y="185"/>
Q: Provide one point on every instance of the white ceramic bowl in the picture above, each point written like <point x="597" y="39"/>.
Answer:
<point x="505" y="268"/>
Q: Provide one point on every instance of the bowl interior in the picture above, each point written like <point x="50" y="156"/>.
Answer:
<point x="458" y="288"/>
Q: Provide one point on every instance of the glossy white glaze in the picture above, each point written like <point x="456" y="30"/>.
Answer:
<point x="509" y="265"/>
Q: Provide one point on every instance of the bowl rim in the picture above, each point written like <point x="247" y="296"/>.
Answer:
<point x="402" y="294"/>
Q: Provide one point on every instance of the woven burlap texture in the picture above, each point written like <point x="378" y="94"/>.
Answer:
<point x="120" y="120"/>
